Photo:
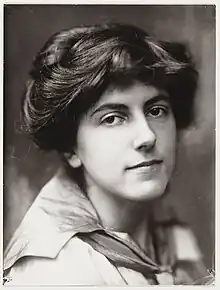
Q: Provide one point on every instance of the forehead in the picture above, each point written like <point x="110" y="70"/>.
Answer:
<point x="135" y="94"/>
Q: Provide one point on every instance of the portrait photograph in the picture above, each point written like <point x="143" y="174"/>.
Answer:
<point x="109" y="141"/>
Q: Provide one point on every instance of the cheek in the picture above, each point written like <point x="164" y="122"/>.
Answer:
<point x="170" y="139"/>
<point x="99" y="150"/>
<point x="170" y="145"/>
<point x="166" y="138"/>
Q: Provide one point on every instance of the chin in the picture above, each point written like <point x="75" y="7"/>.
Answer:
<point x="147" y="192"/>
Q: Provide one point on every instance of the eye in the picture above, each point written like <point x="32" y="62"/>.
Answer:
<point x="112" y="120"/>
<point x="158" y="111"/>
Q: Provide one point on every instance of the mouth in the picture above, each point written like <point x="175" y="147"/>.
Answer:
<point x="145" y="164"/>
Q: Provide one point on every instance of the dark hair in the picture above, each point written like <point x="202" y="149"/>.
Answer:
<point x="76" y="66"/>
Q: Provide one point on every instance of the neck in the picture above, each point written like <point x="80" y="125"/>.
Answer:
<point x="122" y="215"/>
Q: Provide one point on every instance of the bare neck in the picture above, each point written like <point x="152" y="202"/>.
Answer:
<point x="121" y="215"/>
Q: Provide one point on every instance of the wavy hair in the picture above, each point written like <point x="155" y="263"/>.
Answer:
<point x="76" y="66"/>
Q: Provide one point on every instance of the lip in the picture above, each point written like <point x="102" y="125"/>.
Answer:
<point x="145" y="164"/>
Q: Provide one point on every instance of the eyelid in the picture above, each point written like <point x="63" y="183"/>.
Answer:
<point x="165" y="105"/>
<point x="165" y="108"/>
<point x="159" y="106"/>
<point x="113" y="114"/>
<point x="163" y="102"/>
<point x="116" y="114"/>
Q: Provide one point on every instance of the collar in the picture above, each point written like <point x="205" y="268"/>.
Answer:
<point x="60" y="211"/>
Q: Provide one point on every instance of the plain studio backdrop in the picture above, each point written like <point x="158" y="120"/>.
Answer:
<point x="26" y="169"/>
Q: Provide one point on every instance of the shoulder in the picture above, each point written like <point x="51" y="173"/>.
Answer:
<point x="185" y="243"/>
<point x="74" y="265"/>
<point x="189" y="268"/>
<point x="52" y="220"/>
<point x="171" y="229"/>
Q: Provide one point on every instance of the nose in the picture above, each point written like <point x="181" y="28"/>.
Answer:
<point x="144" y="137"/>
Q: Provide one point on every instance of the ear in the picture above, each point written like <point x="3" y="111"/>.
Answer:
<point x="73" y="160"/>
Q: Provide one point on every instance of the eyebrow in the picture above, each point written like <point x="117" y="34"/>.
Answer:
<point x="122" y="107"/>
<point x="157" y="98"/>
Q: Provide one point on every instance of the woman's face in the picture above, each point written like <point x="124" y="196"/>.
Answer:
<point x="126" y="143"/>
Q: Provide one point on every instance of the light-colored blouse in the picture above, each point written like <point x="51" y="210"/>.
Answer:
<point x="47" y="248"/>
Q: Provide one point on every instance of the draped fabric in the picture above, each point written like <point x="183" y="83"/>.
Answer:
<point x="62" y="212"/>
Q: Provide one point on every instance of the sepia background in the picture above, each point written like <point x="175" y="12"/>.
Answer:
<point x="26" y="168"/>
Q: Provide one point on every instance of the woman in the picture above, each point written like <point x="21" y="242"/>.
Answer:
<point x="111" y="101"/>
